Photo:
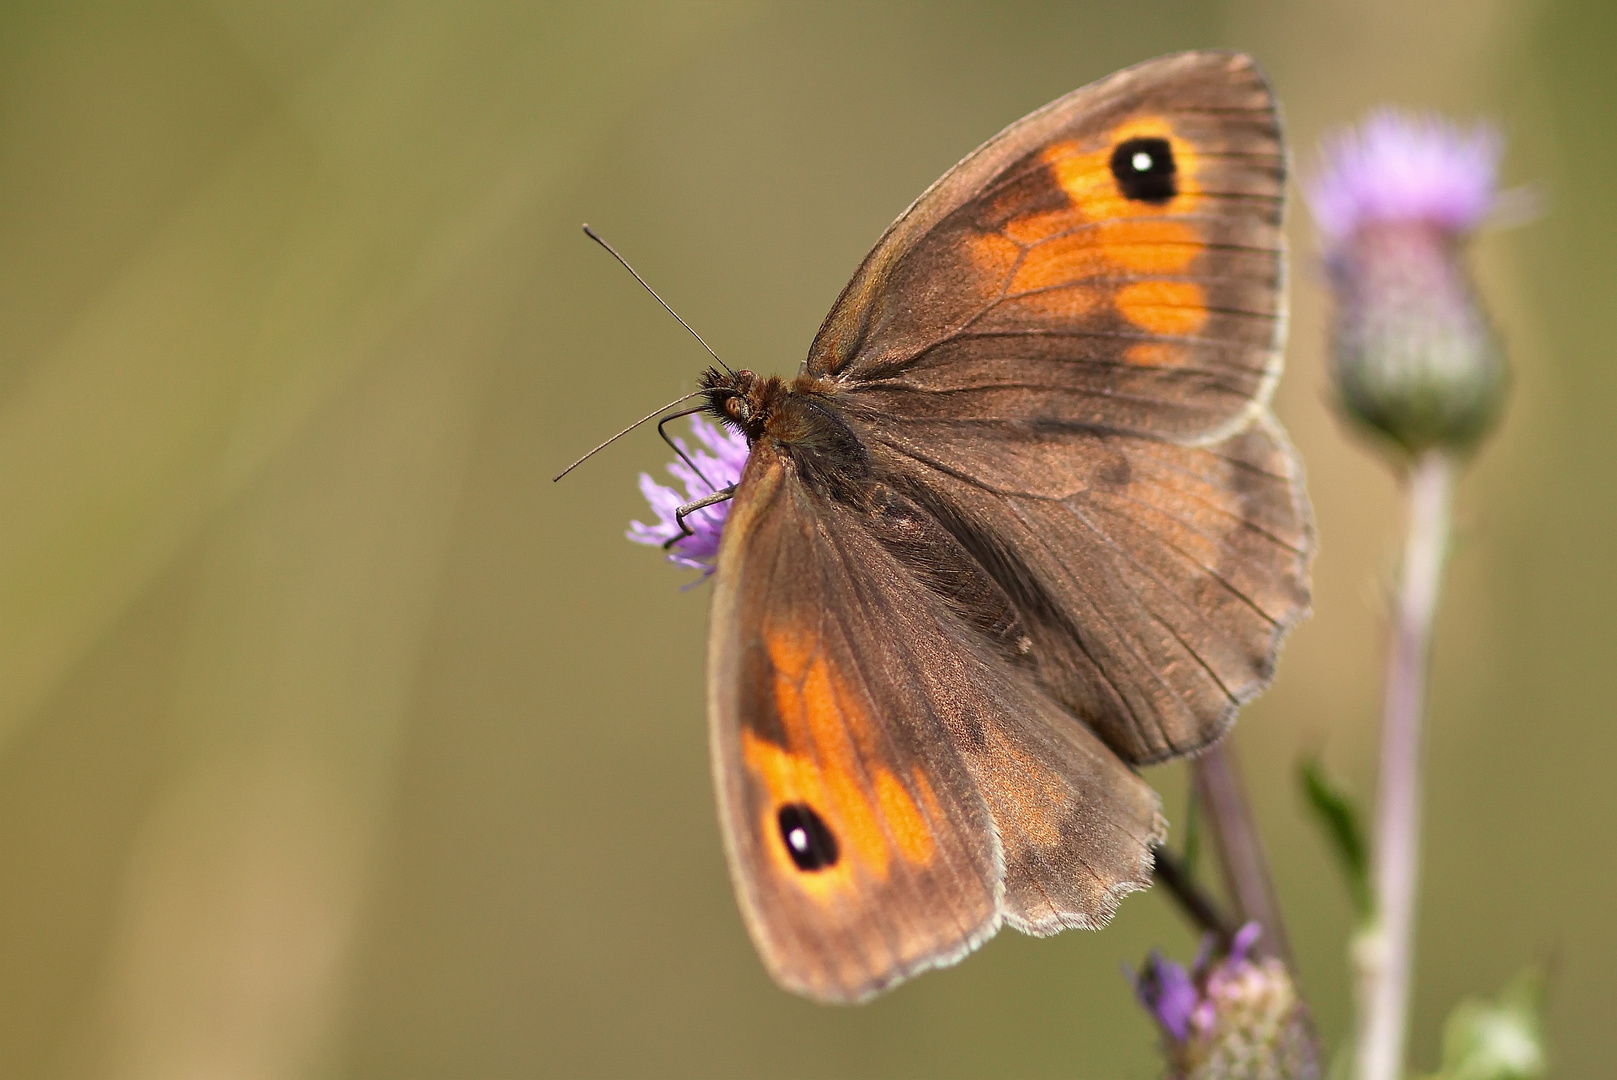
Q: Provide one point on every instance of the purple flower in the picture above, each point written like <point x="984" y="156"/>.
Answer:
<point x="1404" y="168"/>
<point x="1414" y="356"/>
<point x="1236" y="1016"/>
<point x="1168" y="994"/>
<point x="721" y="463"/>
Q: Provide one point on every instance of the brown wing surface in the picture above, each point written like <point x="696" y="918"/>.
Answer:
<point x="1154" y="581"/>
<point x="892" y="787"/>
<point x="1112" y="260"/>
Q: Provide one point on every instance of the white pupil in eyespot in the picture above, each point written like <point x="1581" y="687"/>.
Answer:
<point x="798" y="839"/>
<point x="1142" y="162"/>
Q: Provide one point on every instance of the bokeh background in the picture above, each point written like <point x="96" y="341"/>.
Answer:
<point x="335" y="740"/>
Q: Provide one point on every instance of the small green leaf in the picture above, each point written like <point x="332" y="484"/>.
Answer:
<point x="1501" y="1039"/>
<point x="1340" y="819"/>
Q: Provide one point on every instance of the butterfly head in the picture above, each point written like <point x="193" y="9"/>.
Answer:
<point x="742" y="400"/>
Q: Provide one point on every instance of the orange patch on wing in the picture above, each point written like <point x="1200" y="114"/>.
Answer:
<point x="1033" y="228"/>
<point x="994" y="255"/>
<point x="1154" y="354"/>
<point x="793" y="778"/>
<point x="1102" y="233"/>
<point x="1127" y="246"/>
<point x="1086" y="175"/>
<point x="1164" y="307"/>
<point x="1149" y="246"/>
<point x="829" y="763"/>
<point x="903" y="817"/>
<point x="791" y="649"/>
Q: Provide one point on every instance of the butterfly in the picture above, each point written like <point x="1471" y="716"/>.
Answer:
<point x="1022" y="523"/>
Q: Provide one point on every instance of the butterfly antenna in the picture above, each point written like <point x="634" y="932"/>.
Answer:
<point x="593" y="235"/>
<point x="625" y="431"/>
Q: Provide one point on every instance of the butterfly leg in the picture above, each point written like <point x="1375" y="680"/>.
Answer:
<point x="722" y="495"/>
<point x="681" y="450"/>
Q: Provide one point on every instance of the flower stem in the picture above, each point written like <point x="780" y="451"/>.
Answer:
<point x="1384" y="952"/>
<point x="1202" y="909"/>
<point x="1240" y="850"/>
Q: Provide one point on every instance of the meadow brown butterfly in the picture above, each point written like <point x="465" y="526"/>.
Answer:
<point x="1022" y="522"/>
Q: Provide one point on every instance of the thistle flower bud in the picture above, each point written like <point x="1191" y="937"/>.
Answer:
<point x="1414" y="355"/>
<point x="1235" y="1017"/>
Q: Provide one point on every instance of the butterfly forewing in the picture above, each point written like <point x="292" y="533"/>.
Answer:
<point x="891" y="789"/>
<point x="803" y="733"/>
<point x="1112" y="260"/>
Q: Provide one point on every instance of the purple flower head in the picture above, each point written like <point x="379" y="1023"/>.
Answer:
<point x="1225" y="979"/>
<point x="1168" y="993"/>
<point x="721" y="463"/>
<point x="1241" y="944"/>
<point x="1230" y="1016"/>
<point x="1401" y="168"/>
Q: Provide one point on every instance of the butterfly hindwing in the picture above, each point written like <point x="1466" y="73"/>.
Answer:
<point x="1154" y="580"/>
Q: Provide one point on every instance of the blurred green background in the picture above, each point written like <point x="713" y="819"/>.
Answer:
<point x="335" y="740"/>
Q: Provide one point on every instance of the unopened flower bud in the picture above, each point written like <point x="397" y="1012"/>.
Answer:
<point x="1414" y="354"/>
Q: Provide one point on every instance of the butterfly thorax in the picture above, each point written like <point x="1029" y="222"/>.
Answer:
<point x="801" y="420"/>
<point x="796" y="414"/>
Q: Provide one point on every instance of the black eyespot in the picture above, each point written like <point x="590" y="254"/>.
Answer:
<point x="807" y="840"/>
<point x="1145" y="170"/>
